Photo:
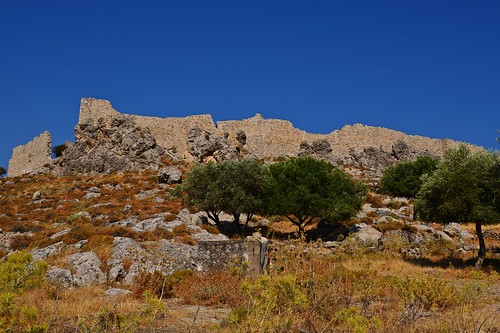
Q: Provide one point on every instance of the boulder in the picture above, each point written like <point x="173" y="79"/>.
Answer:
<point x="365" y="234"/>
<point x="47" y="251"/>
<point x="59" y="277"/>
<point x="170" y="175"/>
<point x="124" y="249"/>
<point x="87" y="266"/>
<point x="455" y="230"/>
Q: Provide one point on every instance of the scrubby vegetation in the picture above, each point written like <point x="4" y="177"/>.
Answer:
<point x="405" y="179"/>
<point x="404" y="282"/>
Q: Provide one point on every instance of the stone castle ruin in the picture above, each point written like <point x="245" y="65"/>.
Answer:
<point x="105" y="138"/>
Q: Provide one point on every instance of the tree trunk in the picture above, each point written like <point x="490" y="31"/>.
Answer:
<point x="214" y="217"/>
<point x="482" y="247"/>
<point x="236" y="217"/>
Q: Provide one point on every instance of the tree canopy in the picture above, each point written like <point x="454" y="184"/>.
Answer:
<point x="236" y="187"/>
<point x="304" y="188"/>
<point x="464" y="188"/>
<point x="58" y="150"/>
<point x="405" y="179"/>
<point x="199" y="190"/>
<point x="3" y="172"/>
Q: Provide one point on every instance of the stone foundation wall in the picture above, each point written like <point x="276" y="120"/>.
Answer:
<point x="31" y="156"/>
<point x="250" y="254"/>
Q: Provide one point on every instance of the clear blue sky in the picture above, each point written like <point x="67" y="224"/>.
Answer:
<point x="423" y="67"/>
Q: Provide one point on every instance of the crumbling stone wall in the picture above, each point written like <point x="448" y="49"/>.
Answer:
<point x="359" y="137"/>
<point x="216" y="255"/>
<point x="172" y="133"/>
<point x="31" y="156"/>
<point x="265" y="138"/>
<point x="269" y="138"/>
<point x="93" y="109"/>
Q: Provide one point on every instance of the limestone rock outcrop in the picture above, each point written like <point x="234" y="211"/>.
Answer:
<point x="203" y="144"/>
<point x="110" y="146"/>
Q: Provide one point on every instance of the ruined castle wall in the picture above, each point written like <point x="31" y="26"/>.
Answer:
<point x="267" y="138"/>
<point x="359" y="137"/>
<point x="31" y="156"/>
<point x="93" y="109"/>
<point x="173" y="132"/>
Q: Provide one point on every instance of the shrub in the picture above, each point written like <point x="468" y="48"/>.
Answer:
<point x="58" y="150"/>
<point x="19" y="272"/>
<point x="426" y="292"/>
<point x="211" y="288"/>
<point x="159" y="284"/>
<point x="404" y="179"/>
<point x="210" y="228"/>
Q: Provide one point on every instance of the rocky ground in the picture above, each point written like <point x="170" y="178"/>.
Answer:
<point x="105" y="230"/>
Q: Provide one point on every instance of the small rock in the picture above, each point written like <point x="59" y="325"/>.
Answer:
<point x="146" y="194"/>
<point x="91" y="195"/>
<point x="259" y="224"/>
<point x="117" y="292"/>
<point x="330" y="244"/>
<point x="60" y="233"/>
<point x="158" y="200"/>
<point x="47" y="251"/>
<point x="37" y="195"/>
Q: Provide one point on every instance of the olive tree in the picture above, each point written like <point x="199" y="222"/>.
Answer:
<point x="464" y="188"/>
<point x="235" y="187"/>
<point x="241" y="187"/>
<point x="200" y="190"/>
<point x="305" y="188"/>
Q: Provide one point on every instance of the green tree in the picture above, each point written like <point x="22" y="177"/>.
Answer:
<point x="235" y="187"/>
<point x="58" y="150"/>
<point x="405" y="179"/>
<point x="241" y="187"/>
<point x="200" y="190"/>
<point x="464" y="188"/>
<point x="305" y="188"/>
<point x="3" y="172"/>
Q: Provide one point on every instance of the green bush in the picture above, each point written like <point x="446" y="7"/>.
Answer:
<point x="58" y="150"/>
<point x="306" y="188"/>
<point x="427" y="292"/>
<point x="404" y="179"/>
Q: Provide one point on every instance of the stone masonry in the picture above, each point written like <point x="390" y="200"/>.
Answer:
<point x="265" y="138"/>
<point x="268" y="138"/>
<point x="31" y="156"/>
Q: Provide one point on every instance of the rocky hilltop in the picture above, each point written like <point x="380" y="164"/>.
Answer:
<point x="108" y="141"/>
